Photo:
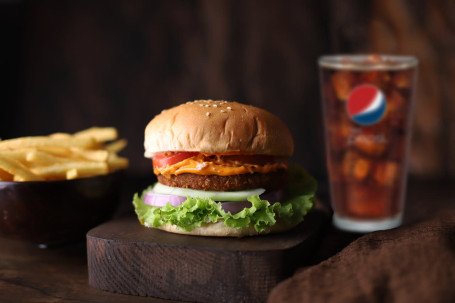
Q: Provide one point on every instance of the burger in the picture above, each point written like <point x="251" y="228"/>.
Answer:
<point x="222" y="170"/>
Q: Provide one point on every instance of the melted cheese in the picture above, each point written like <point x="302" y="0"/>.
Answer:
<point x="198" y="167"/>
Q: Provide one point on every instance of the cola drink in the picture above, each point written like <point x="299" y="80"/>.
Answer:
<point x="367" y="106"/>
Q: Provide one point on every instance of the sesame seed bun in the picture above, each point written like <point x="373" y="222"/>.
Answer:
<point x="218" y="127"/>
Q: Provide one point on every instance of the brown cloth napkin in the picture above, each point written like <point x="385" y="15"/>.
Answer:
<point x="408" y="264"/>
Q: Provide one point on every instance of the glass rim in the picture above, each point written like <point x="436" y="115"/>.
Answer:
<point x="356" y="62"/>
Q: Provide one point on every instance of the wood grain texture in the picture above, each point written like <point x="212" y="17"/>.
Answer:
<point x="59" y="274"/>
<point x="127" y="258"/>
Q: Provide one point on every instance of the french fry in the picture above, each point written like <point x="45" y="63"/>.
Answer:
<point x="59" y="170"/>
<point x="18" y="178"/>
<point x="116" y="146"/>
<point x="43" y="158"/>
<point x="20" y="172"/>
<point x="61" y="155"/>
<point x="100" y="134"/>
<point x="72" y="174"/>
<point x="83" y="142"/>
<point x="92" y="155"/>
<point x="116" y="162"/>
<point x="60" y="135"/>
<point x="18" y="154"/>
<point x="59" y="151"/>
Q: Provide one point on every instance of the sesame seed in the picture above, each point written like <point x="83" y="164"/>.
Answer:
<point x="214" y="105"/>
<point x="207" y="114"/>
<point x="223" y="111"/>
<point x="207" y="105"/>
<point x="230" y="108"/>
<point x="163" y="111"/>
<point x="201" y="104"/>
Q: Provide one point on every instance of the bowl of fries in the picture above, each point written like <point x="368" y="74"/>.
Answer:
<point x="54" y="188"/>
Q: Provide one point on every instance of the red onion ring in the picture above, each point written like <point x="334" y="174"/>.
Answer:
<point x="237" y="206"/>
<point x="158" y="200"/>
<point x="272" y="196"/>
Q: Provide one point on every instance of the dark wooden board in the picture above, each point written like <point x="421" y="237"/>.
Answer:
<point x="127" y="258"/>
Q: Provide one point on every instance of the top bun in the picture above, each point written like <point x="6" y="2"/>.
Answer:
<point x="218" y="127"/>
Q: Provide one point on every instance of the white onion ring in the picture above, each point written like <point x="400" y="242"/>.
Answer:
<point x="239" y="195"/>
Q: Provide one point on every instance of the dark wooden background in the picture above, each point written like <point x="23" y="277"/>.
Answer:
<point x="68" y="65"/>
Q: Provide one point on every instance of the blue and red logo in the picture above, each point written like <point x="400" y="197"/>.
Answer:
<point x="366" y="104"/>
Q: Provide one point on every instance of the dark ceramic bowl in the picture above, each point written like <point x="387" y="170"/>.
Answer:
<point x="57" y="212"/>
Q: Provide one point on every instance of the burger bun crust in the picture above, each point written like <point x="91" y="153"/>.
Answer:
<point x="218" y="229"/>
<point x="209" y="126"/>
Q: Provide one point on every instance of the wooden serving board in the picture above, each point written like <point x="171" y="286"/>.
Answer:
<point x="128" y="258"/>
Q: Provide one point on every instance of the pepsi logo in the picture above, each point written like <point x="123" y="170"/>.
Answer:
<point x="366" y="104"/>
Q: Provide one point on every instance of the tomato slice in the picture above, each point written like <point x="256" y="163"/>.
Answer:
<point x="164" y="159"/>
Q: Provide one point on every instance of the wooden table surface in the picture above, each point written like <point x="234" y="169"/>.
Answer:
<point x="32" y="274"/>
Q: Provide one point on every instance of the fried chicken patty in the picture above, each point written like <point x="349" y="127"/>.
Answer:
<point x="269" y="181"/>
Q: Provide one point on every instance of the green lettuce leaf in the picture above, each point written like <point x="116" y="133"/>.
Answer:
<point x="298" y="200"/>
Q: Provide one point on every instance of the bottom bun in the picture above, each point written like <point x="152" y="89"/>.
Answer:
<point x="218" y="229"/>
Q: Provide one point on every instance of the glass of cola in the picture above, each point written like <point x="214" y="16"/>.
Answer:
<point x="367" y="105"/>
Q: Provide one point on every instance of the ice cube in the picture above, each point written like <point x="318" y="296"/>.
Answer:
<point x="355" y="167"/>
<point x="361" y="169"/>
<point x="343" y="82"/>
<point x="386" y="173"/>
<point x="397" y="108"/>
<point x="395" y="101"/>
<point x="402" y="79"/>
<point x="372" y="144"/>
<point x="378" y="78"/>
